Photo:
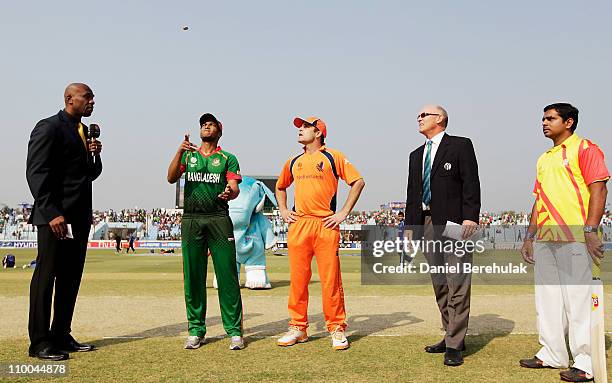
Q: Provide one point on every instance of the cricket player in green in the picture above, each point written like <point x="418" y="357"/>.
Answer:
<point x="211" y="180"/>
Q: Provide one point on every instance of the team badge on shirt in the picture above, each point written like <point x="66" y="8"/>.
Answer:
<point x="320" y="166"/>
<point x="216" y="162"/>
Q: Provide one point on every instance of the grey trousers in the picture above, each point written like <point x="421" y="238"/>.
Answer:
<point x="452" y="290"/>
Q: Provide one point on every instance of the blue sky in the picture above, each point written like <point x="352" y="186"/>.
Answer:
<point x="365" y="67"/>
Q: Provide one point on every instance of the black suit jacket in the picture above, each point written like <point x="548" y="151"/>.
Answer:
<point x="455" y="186"/>
<point x="60" y="171"/>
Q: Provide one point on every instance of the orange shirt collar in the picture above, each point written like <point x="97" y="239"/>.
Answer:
<point x="322" y="148"/>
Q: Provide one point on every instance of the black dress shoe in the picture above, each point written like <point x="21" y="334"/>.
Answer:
<point x="49" y="353"/>
<point x="534" y="362"/>
<point x="437" y="348"/>
<point x="71" y="345"/>
<point x="453" y="357"/>
<point x="575" y="375"/>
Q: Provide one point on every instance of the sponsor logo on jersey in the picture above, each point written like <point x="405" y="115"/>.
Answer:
<point x="595" y="301"/>
<point x="309" y="177"/>
<point x="213" y="178"/>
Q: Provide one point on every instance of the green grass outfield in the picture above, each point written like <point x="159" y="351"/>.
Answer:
<point x="132" y="308"/>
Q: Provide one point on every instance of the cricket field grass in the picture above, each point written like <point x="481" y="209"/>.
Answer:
<point x="132" y="308"/>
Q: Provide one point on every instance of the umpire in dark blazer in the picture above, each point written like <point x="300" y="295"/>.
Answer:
<point x="61" y="165"/>
<point x="443" y="186"/>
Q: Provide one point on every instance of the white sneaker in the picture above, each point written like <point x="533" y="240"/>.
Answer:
<point x="293" y="336"/>
<point x="339" y="341"/>
<point x="193" y="342"/>
<point x="236" y="343"/>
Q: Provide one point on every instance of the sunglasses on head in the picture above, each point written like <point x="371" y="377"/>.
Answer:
<point x="423" y="115"/>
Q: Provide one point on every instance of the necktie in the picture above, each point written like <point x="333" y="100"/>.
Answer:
<point x="427" y="175"/>
<point x="82" y="134"/>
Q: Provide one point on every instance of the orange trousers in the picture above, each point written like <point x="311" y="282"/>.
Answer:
<point x="307" y="238"/>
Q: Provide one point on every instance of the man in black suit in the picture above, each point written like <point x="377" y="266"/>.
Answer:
<point x="61" y="165"/>
<point x="443" y="186"/>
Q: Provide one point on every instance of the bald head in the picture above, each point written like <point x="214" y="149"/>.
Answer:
<point x="439" y="110"/>
<point x="78" y="98"/>
<point x="444" y="114"/>
<point x="432" y="120"/>
<point x="71" y="89"/>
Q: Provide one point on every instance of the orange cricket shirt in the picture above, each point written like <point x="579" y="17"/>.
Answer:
<point x="316" y="180"/>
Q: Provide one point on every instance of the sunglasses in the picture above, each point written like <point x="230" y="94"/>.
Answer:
<point x="423" y="115"/>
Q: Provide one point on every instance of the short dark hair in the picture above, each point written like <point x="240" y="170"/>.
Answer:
<point x="322" y="136"/>
<point x="565" y="111"/>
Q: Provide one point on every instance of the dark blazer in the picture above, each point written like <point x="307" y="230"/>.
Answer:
<point x="60" y="171"/>
<point x="455" y="187"/>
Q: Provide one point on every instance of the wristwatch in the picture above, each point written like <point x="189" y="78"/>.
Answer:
<point x="589" y="229"/>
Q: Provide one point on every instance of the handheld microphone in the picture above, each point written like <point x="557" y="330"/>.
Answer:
<point x="93" y="131"/>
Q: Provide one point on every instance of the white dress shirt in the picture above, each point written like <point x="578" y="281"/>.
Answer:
<point x="435" y="144"/>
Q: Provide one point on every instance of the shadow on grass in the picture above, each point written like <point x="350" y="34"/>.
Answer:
<point x="364" y="325"/>
<point x="168" y="331"/>
<point x="360" y="326"/>
<point x="487" y="328"/>
<point x="263" y="331"/>
<point x="276" y="284"/>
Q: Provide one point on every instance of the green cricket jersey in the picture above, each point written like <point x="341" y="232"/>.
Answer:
<point x="206" y="178"/>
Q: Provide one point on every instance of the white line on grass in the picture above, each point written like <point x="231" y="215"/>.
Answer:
<point x="320" y="335"/>
<point x="123" y="337"/>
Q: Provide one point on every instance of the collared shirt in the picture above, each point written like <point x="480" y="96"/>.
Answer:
<point x="206" y="176"/>
<point x="316" y="180"/>
<point x="435" y="144"/>
<point x="564" y="173"/>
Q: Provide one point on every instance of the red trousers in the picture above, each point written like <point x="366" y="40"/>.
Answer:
<point x="307" y="238"/>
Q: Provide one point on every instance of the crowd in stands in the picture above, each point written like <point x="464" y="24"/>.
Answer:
<point x="168" y="221"/>
<point x="16" y="220"/>
<point x="506" y="218"/>
<point x="378" y="217"/>
<point x="125" y="215"/>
